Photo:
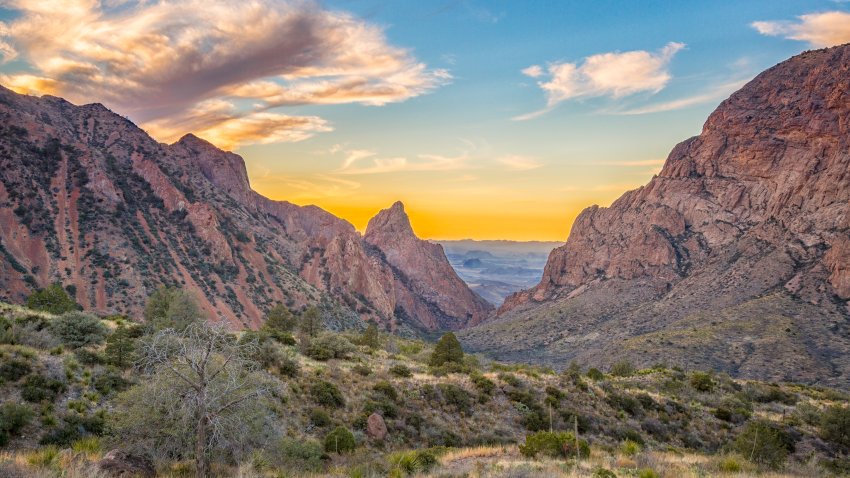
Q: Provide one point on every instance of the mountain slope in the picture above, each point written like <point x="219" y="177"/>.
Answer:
<point x="90" y="200"/>
<point x="746" y="224"/>
<point x="421" y="267"/>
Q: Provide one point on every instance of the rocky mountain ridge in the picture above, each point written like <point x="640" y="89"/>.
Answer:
<point x="749" y="217"/>
<point x="89" y="200"/>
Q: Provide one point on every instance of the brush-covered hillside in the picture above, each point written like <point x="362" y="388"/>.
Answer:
<point x="88" y="396"/>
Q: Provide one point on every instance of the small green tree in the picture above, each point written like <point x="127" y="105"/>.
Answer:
<point x="835" y="425"/>
<point x="702" y="382"/>
<point x="280" y="322"/>
<point x="53" y="299"/>
<point x="623" y="368"/>
<point x="120" y="346"/>
<point x="311" y="321"/>
<point x="171" y="308"/>
<point x="448" y="350"/>
<point x="371" y="337"/>
<point x="78" y="329"/>
<point x="764" y="443"/>
<point x="340" y="440"/>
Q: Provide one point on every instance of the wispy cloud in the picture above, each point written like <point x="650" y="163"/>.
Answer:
<point x="714" y="94"/>
<point x="184" y="60"/>
<point x="519" y="163"/>
<point x="361" y="161"/>
<point x="614" y="74"/>
<point x="638" y="163"/>
<point x="818" y="29"/>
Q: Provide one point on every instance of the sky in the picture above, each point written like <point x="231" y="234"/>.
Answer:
<point x="488" y="119"/>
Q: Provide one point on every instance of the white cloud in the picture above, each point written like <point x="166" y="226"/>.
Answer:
<point x="534" y="71"/>
<point x="818" y="29"/>
<point x="615" y="75"/>
<point x="179" y="61"/>
<point x="519" y="163"/>
<point x="714" y="94"/>
<point x="360" y="161"/>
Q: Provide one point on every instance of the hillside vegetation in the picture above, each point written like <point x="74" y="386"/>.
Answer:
<point x="84" y="396"/>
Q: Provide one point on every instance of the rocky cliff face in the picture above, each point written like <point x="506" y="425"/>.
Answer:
<point x="438" y="296"/>
<point x="755" y="208"/>
<point x="89" y="200"/>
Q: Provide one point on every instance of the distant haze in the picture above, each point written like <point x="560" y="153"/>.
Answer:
<point x="496" y="269"/>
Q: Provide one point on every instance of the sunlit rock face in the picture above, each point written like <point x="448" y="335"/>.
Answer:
<point x="734" y="257"/>
<point x="89" y="200"/>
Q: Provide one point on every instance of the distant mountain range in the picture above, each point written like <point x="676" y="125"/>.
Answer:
<point x="736" y="257"/>
<point x="496" y="269"/>
<point x="89" y="200"/>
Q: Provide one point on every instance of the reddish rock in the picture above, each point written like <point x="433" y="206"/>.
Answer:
<point x="89" y="200"/>
<point x="375" y="427"/>
<point x="429" y="286"/>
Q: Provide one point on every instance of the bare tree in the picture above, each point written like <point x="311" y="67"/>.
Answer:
<point x="203" y="393"/>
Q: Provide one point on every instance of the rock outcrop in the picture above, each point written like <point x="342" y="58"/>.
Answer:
<point x="438" y="296"/>
<point x="755" y="208"/>
<point x="89" y="200"/>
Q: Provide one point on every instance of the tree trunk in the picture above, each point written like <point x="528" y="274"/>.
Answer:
<point x="201" y="465"/>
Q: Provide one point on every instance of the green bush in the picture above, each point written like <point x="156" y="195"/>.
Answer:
<point x="38" y="388"/>
<point x="280" y="322"/>
<point x="630" y="448"/>
<point x="835" y="425"/>
<point x="53" y="299"/>
<point x="702" y="382"/>
<point x="447" y="350"/>
<point x="510" y="379"/>
<point x="171" y="308"/>
<point x="327" y="394"/>
<point x="109" y="382"/>
<point x="13" y="418"/>
<point x="407" y="463"/>
<point x="340" y="440"/>
<point x="371" y="337"/>
<point x="297" y="454"/>
<point x="622" y="368"/>
<point x="320" y="418"/>
<point x="78" y="329"/>
<point x="329" y="346"/>
<point x="603" y="473"/>
<point x="14" y="369"/>
<point x="456" y="396"/>
<point x="647" y="473"/>
<point x="595" y="374"/>
<point x="483" y="385"/>
<point x="386" y="389"/>
<point x="400" y="370"/>
<point x="729" y="464"/>
<point x="362" y="370"/>
<point x="553" y="444"/>
<point x="764" y="442"/>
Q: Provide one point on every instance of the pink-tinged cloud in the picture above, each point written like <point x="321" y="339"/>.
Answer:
<point x="615" y="75"/>
<point x="179" y="62"/>
<point x="818" y="29"/>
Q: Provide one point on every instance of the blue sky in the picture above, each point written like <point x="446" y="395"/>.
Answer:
<point x="448" y="141"/>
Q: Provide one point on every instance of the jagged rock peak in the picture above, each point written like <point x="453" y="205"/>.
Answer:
<point x="392" y="220"/>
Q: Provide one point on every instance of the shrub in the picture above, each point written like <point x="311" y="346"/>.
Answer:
<point x="78" y="329"/>
<point x="280" y="322"/>
<point x="553" y="444"/>
<point x="411" y="462"/>
<point x="171" y="308"/>
<point x="764" y="443"/>
<point x="296" y="454"/>
<point x="89" y="357"/>
<point x="288" y="366"/>
<point x="327" y="394"/>
<point x="386" y="389"/>
<point x="362" y="370"/>
<point x="14" y="369"/>
<point x="624" y="402"/>
<point x="447" y="350"/>
<point x="729" y="464"/>
<point x="483" y="385"/>
<point x="400" y="370"/>
<point x="603" y="473"/>
<point x="595" y="374"/>
<point x="13" y="418"/>
<point x="38" y="388"/>
<point x="647" y="473"/>
<point x="371" y="337"/>
<point x="630" y="448"/>
<point x="109" y="382"/>
<point x="702" y="382"/>
<point x="622" y="368"/>
<point x="340" y="440"/>
<point x="510" y="379"/>
<point x="456" y="396"/>
<point x="320" y="418"/>
<point x="835" y="425"/>
<point x="53" y="299"/>
<point x="329" y="346"/>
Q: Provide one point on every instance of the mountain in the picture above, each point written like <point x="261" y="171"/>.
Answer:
<point x="736" y="256"/>
<point x="496" y="269"/>
<point x="438" y="297"/>
<point x="89" y="200"/>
